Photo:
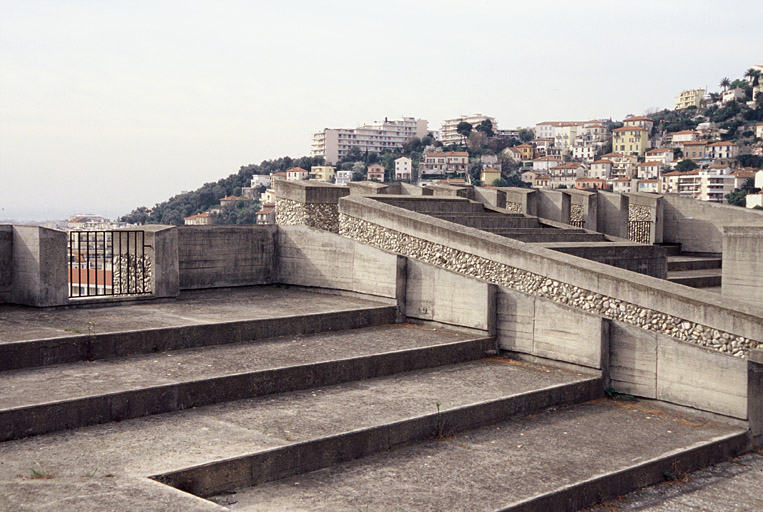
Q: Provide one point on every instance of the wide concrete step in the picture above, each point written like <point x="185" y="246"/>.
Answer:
<point x="705" y="278"/>
<point x="47" y="399"/>
<point x="522" y="231"/>
<point x="32" y="338"/>
<point x="559" y="460"/>
<point x="678" y="263"/>
<point x="221" y="446"/>
<point x="671" y="249"/>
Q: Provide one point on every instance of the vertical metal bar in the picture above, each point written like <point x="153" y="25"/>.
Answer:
<point x="96" y="262"/>
<point x="143" y="260"/>
<point x="128" y="263"/>
<point x="87" y="252"/>
<point x="112" y="262"/>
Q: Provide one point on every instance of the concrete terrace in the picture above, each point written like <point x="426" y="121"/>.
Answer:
<point x="367" y="354"/>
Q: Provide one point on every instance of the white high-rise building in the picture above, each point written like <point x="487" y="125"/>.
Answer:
<point x="377" y="137"/>
<point x="449" y="135"/>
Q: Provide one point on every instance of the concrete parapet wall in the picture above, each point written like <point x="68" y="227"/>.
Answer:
<point x="442" y="190"/>
<point x="309" y="257"/>
<point x="525" y="199"/>
<point x="543" y="328"/>
<point x="652" y="304"/>
<point x="164" y="243"/>
<point x="6" y="263"/>
<point x="644" y="259"/>
<point x="220" y="256"/>
<point x="553" y="205"/>
<point x="447" y="297"/>
<point x="698" y="225"/>
<point x="652" y="365"/>
<point x="612" y="212"/>
<point x="743" y="263"/>
<point x="39" y="267"/>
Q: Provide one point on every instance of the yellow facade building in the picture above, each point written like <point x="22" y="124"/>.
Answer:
<point x="324" y="173"/>
<point x="630" y="140"/>
<point x="488" y="176"/>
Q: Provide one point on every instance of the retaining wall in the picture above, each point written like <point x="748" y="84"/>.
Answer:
<point x="743" y="263"/>
<point x="218" y="256"/>
<point x="650" y="303"/>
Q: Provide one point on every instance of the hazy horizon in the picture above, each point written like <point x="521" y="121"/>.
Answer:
<point x="107" y="107"/>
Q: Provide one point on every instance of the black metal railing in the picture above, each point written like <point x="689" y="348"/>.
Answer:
<point x="640" y="231"/>
<point x="109" y="262"/>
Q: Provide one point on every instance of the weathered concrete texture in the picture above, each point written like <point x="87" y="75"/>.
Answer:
<point x="612" y="214"/>
<point x="754" y="394"/>
<point x="649" y="208"/>
<point x="447" y="297"/>
<point x="731" y="485"/>
<point x="52" y="398"/>
<point x="220" y="256"/>
<point x="548" y="459"/>
<point x="301" y="191"/>
<point x="6" y="262"/>
<point x="644" y="259"/>
<point x="545" y="329"/>
<point x="698" y="225"/>
<point x="163" y="241"/>
<point x="310" y="257"/>
<point x="584" y="208"/>
<point x="743" y="263"/>
<point x="39" y="266"/>
<point x="37" y="338"/>
<point x="554" y="205"/>
<point x="102" y="491"/>
<point x="170" y="442"/>
<point x="657" y="366"/>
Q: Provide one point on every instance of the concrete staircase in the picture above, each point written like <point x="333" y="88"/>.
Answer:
<point x="695" y="270"/>
<point x="312" y="402"/>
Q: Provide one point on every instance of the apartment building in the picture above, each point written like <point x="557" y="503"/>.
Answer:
<point x="375" y="172"/>
<point x="403" y="168"/>
<point x="296" y="173"/>
<point x="545" y="163"/>
<point x="566" y="174"/>
<point x="600" y="169"/>
<point x="563" y="133"/>
<point x="664" y="156"/>
<point x="684" y="136"/>
<point x="447" y="162"/>
<point x="324" y="173"/>
<point x="449" y="135"/>
<point x="585" y="153"/>
<point x="640" y="121"/>
<point x="648" y="170"/>
<point x="377" y="137"/>
<point x="622" y="165"/>
<point x="526" y="152"/>
<point x="630" y="140"/>
<point x="695" y="150"/>
<point x="722" y="151"/>
<point x="343" y="177"/>
<point x="703" y="184"/>
<point x="690" y="98"/>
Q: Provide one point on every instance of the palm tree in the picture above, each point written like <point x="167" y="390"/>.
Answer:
<point x="752" y="76"/>
<point x="725" y="82"/>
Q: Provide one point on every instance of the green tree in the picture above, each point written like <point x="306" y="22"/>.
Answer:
<point x="464" y="129"/>
<point x="725" y="83"/>
<point x="755" y="161"/>
<point x="485" y="127"/>
<point x="737" y="198"/>
<point x="686" y="165"/>
<point x="526" y="135"/>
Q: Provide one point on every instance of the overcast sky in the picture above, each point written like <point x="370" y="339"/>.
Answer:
<point x="106" y="106"/>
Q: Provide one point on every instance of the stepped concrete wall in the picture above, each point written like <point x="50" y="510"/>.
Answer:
<point x="309" y="257"/>
<point x="219" y="256"/>
<point x="743" y="263"/>
<point x="612" y="214"/>
<point x="652" y="304"/>
<point x="6" y="263"/>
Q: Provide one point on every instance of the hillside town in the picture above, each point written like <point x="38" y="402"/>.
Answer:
<point x="709" y="147"/>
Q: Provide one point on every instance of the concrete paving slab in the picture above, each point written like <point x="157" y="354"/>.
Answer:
<point x="494" y="467"/>
<point x="19" y="323"/>
<point x="734" y="485"/>
<point x="168" y="442"/>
